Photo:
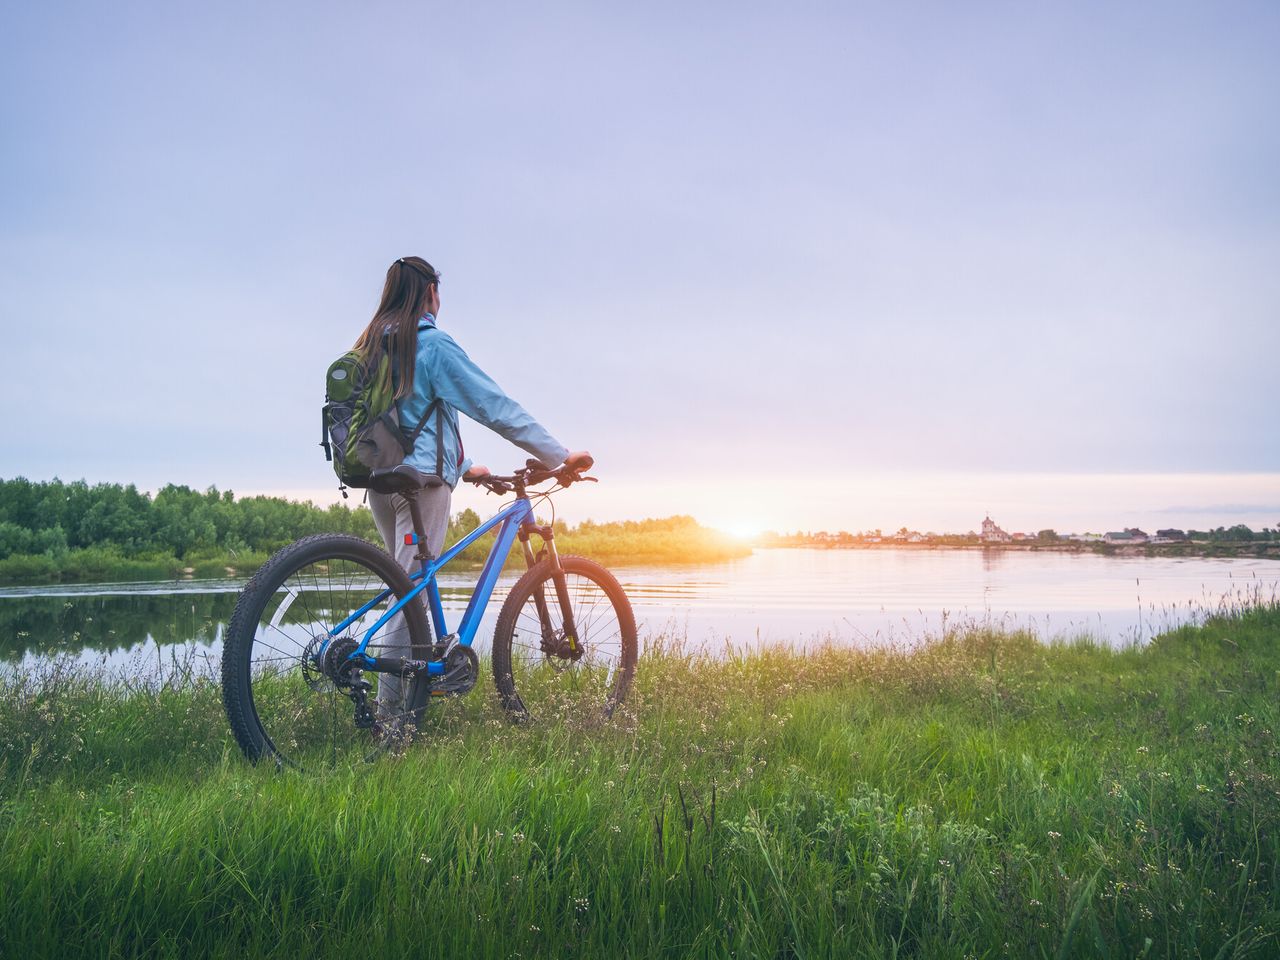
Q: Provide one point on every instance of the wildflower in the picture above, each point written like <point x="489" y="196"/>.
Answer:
<point x="1201" y="788"/>
<point x="1054" y="835"/>
<point x="1035" y="903"/>
<point x="424" y="858"/>
<point x="517" y="837"/>
<point x="944" y="863"/>
<point x="1144" y="750"/>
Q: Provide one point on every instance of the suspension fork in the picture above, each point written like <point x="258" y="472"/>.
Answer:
<point x="562" y="590"/>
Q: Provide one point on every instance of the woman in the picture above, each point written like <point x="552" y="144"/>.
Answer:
<point x="429" y="368"/>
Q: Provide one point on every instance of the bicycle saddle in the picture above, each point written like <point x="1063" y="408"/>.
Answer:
<point x="401" y="478"/>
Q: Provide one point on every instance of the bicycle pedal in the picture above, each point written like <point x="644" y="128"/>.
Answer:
<point x="461" y="670"/>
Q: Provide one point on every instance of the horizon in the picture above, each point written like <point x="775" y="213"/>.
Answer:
<point x="1209" y="517"/>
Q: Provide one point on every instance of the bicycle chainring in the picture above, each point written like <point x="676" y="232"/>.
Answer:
<point x="461" y="671"/>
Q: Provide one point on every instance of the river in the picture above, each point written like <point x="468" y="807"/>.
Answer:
<point x="789" y="596"/>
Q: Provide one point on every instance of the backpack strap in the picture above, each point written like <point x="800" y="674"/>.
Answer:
<point x="437" y="407"/>
<point x="428" y="322"/>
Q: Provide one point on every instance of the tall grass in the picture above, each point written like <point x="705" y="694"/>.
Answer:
<point x="980" y="795"/>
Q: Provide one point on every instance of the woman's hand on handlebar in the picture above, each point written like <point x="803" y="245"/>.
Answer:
<point x="578" y="460"/>
<point x="532" y="473"/>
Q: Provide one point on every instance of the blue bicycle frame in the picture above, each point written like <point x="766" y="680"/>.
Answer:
<point x="512" y="518"/>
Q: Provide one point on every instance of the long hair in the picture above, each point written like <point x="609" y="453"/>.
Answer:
<point x="394" y="326"/>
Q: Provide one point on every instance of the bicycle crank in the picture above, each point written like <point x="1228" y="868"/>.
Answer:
<point x="461" y="670"/>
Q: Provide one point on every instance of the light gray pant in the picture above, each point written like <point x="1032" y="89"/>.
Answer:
<point x="392" y="518"/>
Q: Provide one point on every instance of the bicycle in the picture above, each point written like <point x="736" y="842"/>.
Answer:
<point x="329" y="612"/>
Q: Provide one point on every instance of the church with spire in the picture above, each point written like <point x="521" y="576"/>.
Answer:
<point x="991" y="533"/>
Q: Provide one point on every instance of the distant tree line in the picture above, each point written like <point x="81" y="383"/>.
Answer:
<point x="55" y="517"/>
<point x="1237" y="534"/>
<point x="75" y="531"/>
<point x="1240" y="533"/>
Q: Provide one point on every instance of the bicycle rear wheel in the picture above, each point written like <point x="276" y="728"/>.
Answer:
<point x="287" y="694"/>
<point x="541" y="669"/>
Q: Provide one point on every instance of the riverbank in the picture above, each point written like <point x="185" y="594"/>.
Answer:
<point x="1182" y="548"/>
<point x="986" y="795"/>
<point x="56" y="532"/>
<point x="671" y="540"/>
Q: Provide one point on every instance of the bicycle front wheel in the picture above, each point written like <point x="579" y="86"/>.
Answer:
<point x="543" y="669"/>
<point x="287" y="692"/>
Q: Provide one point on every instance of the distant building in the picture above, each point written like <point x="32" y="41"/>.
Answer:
<point x="992" y="533"/>
<point x="1171" y="534"/>
<point x="1128" y="535"/>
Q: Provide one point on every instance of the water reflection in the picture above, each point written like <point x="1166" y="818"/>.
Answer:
<point x="106" y="624"/>
<point x="858" y="597"/>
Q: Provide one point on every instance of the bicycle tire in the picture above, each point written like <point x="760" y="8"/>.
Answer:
<point x="271" y="689"/>
<point x="532" y="682"/>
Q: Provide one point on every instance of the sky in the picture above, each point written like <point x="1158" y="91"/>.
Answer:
<point x="800" y="266"/>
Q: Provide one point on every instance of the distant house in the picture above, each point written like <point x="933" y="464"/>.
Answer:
<point x="992" y="533"/>
<point x="1128" y="535"/>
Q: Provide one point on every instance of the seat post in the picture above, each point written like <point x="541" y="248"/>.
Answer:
<point x="424" y="555"/>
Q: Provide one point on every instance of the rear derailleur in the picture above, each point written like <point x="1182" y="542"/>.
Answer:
<point x="346" y="676"/>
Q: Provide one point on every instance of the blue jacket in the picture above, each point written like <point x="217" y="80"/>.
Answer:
<point x="445" y="372"/>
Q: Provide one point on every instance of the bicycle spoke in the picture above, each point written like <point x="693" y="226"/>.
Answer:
<point x="567" y="674"/>
<point x="297" y="704"/>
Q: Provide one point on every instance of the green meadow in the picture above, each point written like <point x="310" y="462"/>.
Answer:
<point x="981" y="794"/>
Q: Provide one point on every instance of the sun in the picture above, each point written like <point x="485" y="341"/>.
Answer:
<point x="743" y="530"/>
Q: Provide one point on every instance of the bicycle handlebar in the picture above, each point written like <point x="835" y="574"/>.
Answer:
<point x="534" y="472"/>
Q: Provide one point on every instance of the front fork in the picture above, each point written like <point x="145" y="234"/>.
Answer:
<point x="567" y="644"/>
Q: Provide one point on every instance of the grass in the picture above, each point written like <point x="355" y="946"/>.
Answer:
<point x="983" y="795"/>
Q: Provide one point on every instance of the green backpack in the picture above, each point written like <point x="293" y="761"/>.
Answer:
<point x="361" y="427"/>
